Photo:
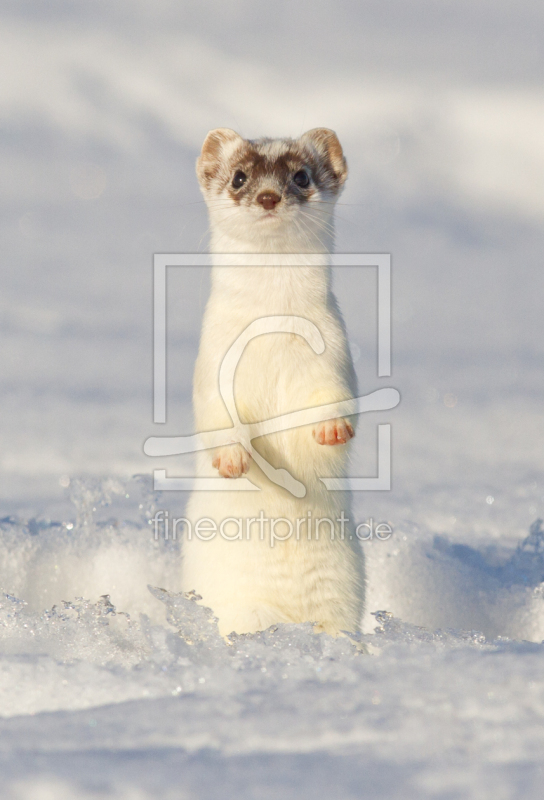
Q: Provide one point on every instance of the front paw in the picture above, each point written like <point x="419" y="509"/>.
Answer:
<point x="333" y="431"/>
<point x="231" y="461"/>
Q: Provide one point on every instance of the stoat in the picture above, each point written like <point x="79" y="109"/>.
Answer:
<point x="271" y="204"/>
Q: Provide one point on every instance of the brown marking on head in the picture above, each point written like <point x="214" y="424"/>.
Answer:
<point x="267" y="173"/>
<point x="271" y="164"/>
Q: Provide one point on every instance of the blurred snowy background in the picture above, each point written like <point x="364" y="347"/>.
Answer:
<point x="440" y="108"/>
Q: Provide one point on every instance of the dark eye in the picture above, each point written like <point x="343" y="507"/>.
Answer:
<point x="301" y="179"/>
<point x="239" y="179"/>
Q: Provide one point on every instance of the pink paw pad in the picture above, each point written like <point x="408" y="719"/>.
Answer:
<point x="333" y="431"/>
<point x="231" y="461"/>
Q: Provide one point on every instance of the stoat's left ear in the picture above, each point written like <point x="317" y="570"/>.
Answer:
<point x="218" y="146"/>
<point x="328" y="147"/>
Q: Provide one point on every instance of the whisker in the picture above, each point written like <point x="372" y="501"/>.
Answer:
<point x="313" y="233"/>
<point x="322" y="224"/>
<point x="337" y="216"/>
<point x="336" y="203"/>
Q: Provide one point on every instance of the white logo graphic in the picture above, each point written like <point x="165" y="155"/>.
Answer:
<point x="380" y="400"/>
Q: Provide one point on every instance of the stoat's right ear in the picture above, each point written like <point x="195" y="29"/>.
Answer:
<point x="326" y="143"/>
<point x="217" y="148"/>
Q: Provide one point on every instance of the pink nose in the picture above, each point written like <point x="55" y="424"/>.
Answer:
<point x="268" y="200"/>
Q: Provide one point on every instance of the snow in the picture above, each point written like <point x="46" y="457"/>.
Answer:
<point x="97" y="702"/>
<point x="109" y="688"/>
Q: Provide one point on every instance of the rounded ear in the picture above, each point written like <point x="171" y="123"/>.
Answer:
<point x="216" y="143"/>
<point x="328" y="147"/>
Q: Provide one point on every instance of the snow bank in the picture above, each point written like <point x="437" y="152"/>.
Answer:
<point x="130" y="639"/>
<point x="142" y="708"/>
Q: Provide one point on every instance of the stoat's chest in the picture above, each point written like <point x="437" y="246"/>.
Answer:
<point x="277" y="371"/>
<point x="273" y="376"/>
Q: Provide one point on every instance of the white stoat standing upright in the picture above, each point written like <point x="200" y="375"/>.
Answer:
<point x="270" y="559"/>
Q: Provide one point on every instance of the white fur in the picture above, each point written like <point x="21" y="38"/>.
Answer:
<point x="248" y="583"/>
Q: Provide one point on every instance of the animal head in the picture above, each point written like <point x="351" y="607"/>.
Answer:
<point x="260" y="192"/>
